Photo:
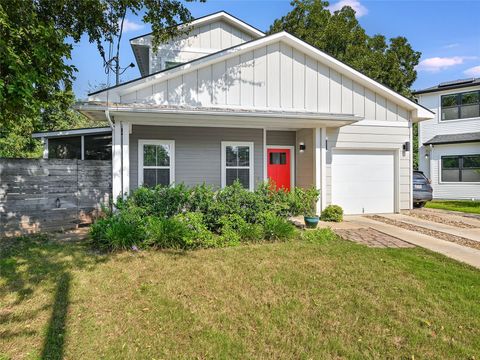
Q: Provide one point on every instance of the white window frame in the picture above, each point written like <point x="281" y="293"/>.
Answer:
<point x="170" y="143"/>
<point x="250" y="160"/>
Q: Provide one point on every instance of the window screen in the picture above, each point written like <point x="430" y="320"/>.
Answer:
<point x="65" y="148"/>
<point x="98" y="147"/>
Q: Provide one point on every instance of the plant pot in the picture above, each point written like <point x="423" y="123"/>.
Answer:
<point x="311" y="222"/>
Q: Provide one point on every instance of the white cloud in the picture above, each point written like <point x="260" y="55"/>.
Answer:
<point x="131" y="26"/>
<point x="473" y="71"/>
<point x="360" y="10"/>
<point x="451" y="46"/>
<point x="435" y="64"/>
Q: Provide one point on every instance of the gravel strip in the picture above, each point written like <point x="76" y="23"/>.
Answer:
<point x="434" y="233"/>
<point x="430" y="216"/>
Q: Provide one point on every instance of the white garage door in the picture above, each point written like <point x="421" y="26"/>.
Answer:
<point x="363" y="181"/>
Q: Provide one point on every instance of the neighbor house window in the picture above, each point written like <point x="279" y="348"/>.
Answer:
<point x="97" y="147"/>
<point x="461" y="168"/>
<point x="237" y="163"/>
<point x="65" y="148"/>
<point x="170" y="64"/>
<point x="461" y="106"/>
<point x="156" y="159"/>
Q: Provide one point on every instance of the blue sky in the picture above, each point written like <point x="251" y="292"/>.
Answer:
<point x="446" y="32"/>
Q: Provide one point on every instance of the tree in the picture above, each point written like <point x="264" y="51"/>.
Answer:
<point x="340" y="35"/>
<point x="36" y="39"/>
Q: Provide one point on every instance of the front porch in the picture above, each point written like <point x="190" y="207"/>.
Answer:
<point x="198" y="155"/>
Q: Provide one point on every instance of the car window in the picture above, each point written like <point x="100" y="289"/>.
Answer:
<point x="418" y="176"/>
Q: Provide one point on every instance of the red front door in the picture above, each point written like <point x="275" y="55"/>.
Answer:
<point x="278" y="168"/>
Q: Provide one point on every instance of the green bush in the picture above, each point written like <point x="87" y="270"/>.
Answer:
<point x="332" y="213"/>
<point x="304" y="201"/>
<point x="121" y="230"/>
<point x="276" y="227"/>
<point x="166" y="232"/>
<point x="200" y="217"/>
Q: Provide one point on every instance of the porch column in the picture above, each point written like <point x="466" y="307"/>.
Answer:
<point x="116" y="161"/>
<point x="125" y="158"/>
<point x="320" y="160"/>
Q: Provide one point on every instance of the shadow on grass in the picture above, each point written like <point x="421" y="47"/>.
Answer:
<point x="55" y="336"/>
<point x="34" y="263"/>
<point x="29" y="261"/>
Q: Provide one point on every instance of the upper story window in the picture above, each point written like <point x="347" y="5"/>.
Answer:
<point x="170" y="64"/>
<point x="461" y="106"/>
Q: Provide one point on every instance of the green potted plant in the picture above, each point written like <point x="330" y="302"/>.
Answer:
<point x="310" y="216"/>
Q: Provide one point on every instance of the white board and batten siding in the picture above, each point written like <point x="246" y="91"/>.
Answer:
<point x="276" y="76"/>
<point x="200" y="41"/>
<point x="431" y="165"/>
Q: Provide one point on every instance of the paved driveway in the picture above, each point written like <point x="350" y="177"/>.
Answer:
<point x="450" y="234"/>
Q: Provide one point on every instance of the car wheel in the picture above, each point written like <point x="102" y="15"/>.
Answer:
<point x="421" y="205"/>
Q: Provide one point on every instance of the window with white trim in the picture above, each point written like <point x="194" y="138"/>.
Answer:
<point x="156" y="159"/>
<point x="237" y="163"/>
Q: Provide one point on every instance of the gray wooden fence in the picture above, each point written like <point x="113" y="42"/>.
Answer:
<point x="49" y="195"/>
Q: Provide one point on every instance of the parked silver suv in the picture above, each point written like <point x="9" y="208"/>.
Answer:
<point x="422" y="190"/>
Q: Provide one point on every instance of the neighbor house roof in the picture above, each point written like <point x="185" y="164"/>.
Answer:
<point x="72" y="132"/>
<point x="421" y="112"/>
<point x="454" y="138"/>
<point x="450" y="85"/>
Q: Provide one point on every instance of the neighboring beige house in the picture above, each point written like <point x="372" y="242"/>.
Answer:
<point x="228" y="102"/>
<point x="449" y="144"/>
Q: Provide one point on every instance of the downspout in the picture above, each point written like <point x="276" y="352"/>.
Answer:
<point x="107" y="115"/>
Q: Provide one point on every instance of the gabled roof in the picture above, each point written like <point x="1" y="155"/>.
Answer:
<point x="219" y="15"/>
<point x="420" y="112"/>
<point x="141" y="51"/>
<point x="454" y="139"/>
<point x="450" y="85"/>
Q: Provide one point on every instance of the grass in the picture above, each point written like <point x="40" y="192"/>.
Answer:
<point x="307" y="298"/>
<point x="472" y="207"/>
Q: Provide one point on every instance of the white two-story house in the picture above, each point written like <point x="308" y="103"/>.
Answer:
<point x="449" y="144"/>
<point x="226" y="102"/>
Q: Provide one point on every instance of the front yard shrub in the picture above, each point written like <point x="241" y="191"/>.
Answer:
<point x="276" y="227"/>
<point x="120" y="230"/>
<point x="165" y="232"/>
<point x="184" y="217"/>
<point x="332" y="213"/>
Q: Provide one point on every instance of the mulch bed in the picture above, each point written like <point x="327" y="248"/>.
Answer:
<point x="434" y="233"/>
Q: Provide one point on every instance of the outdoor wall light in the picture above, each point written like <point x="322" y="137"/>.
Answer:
<point x="406" y="146"/>
<point x="301" y="147"/>
<point x="57" y="203"/>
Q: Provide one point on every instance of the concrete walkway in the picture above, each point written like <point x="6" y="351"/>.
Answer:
<point x="458" y="252"/>
<point x="472" y="234"/>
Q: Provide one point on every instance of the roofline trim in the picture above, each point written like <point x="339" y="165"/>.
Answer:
<point x="71" y="132"/>
<point x="225" y="54"/>
<point x="445" y="88"/>
<point x="205" y="18"/>
<point x="451" y="142"/>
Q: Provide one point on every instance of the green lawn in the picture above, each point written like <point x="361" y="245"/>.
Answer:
<point x="466" y="206"/>
<point x="301" y="299"/>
